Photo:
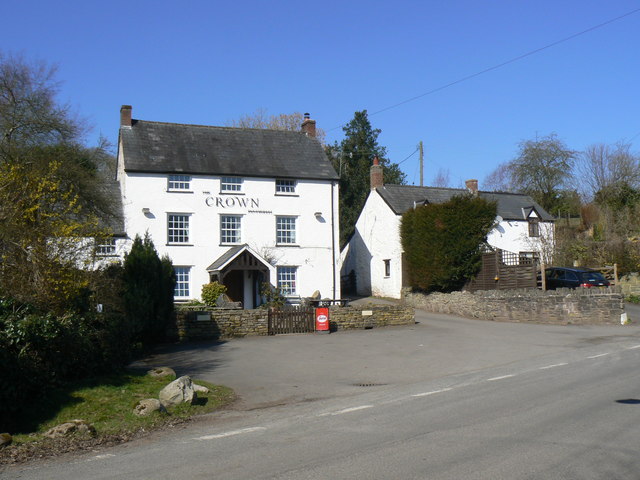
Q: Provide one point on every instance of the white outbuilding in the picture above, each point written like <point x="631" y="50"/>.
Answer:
<point x="373" y="256"/>
<point x="241" y="206"/>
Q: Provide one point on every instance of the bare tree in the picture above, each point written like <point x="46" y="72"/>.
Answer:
<point x="442" y="178"/>
<point x="499" y="179"/>
<point x="603" y="167"/>
<point x="29" y="113"/>
<point x="284" y="121"/>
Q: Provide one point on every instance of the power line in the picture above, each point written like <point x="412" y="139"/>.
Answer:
<point x="500" y="65"/>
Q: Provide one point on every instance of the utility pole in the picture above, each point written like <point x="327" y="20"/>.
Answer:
<point x="421" y="164"/>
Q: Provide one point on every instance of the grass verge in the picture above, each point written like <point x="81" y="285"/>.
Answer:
<point x="107" y="403"/>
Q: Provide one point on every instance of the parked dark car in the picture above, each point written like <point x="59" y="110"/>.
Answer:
<point x="559" y="277"/>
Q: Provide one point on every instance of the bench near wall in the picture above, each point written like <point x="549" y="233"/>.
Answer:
<point x="202" y="323"/>
<point x="582" y="306"/>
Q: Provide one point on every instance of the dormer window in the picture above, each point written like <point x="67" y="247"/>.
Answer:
<point x="231" y="184"/>
<point x="285" y="187"/>
<point x="179" y="183"/>
<point x="534" y="227"/>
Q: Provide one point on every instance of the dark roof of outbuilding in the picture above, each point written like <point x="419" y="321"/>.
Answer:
<point x="115" y="221"/>
<point x="155" y="147"/>
<point x="511" y="206"/>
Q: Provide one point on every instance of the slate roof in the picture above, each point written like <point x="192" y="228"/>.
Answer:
<point x="154" y="147"/>
<point x="227" y="257"/>
<point x="511" y="206"/>
<point x="115" y="221"/>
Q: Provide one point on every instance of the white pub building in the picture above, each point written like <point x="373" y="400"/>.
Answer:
<point x="240" y="206"/>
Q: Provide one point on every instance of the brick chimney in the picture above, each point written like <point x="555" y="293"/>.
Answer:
<point x="376" y="174"/>
<point x="472" y="186"/>
<point x="125" y="115"/>
<point x="308" y="126"/>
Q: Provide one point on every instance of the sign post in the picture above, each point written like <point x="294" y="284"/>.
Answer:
<point x="322" y="320"/>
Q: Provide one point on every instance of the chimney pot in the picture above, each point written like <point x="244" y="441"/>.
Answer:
<point x="376" y="176"/>
<point x="125" y="115"/>
<point x="308" y="126"/>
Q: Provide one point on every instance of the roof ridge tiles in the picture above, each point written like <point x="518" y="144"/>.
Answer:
<point x="224" y="127"/>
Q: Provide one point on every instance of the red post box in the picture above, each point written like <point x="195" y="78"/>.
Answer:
<point x="322" y="319"/>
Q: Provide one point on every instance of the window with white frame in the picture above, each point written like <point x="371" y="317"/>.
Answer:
<point x="287" y="280"/>
<point x="285" y="230"/>
<point x="182" y="281"/>
<point x="105" y="247"/>
<point x="231" y="184"/>
<point x="177" y="228"/>
<point x="230" y="228"/>
<point x="285" y="186"/>
<point x="387" y="268"/>
<point x="179" y="183"/>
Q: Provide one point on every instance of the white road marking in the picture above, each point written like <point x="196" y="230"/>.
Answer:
<point x="499" y="378"/>
<point x="600" y="355"/>
<point x="230" y="433"/>
<point x="554" y="366"/>
<point x="635" y="346"/>
<point x="431" y="393"/>
<point x="346" y="410"/>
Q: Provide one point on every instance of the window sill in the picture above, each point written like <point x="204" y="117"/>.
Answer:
<point x="229" y="244"/>
<point x="226" y="192"/>
<point x="287" y="245"/>
<point x="179" y="191"/>
<point x="284" y="194"/>
<point x="179" y="244"/>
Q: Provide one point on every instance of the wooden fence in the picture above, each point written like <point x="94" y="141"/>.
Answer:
<point x="502" y="270"/>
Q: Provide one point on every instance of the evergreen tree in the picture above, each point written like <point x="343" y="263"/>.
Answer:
<point x="148" y="290"/>
<point x="442" y="241"/>
<point x="352" y="159"/>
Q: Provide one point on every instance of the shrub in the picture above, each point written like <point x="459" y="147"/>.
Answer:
<point x="211" y="292"/>
<point x="273" y="297"/>
<point x="39" y="351"/>
<point x="442" y="241"/>
<point x="148" y="284"/>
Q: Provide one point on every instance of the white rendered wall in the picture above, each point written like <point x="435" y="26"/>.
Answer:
<point x="258" y="204"/>
<point x="513" y="236"/>
<point x="377" y="238"/>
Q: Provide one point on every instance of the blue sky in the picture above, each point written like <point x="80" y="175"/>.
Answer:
<point x="209" y="62"/>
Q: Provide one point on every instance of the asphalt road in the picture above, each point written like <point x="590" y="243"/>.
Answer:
<point x="446" y="399"/>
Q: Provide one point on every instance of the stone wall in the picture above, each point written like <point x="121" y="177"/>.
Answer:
<point x="630" y="284"/>
<point x="203" y="323"/>
<point x="370" y="316"/>
<point x="212" y="323"/>
<point x="563" y="306"/>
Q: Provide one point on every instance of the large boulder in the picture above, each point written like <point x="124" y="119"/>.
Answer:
<point x="147" y="406"/>
<point x="179" y="391"/>
<point x="161" y="372"/>
<point x="68" y="428"/>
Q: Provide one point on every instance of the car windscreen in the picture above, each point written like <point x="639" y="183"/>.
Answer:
<point x="592" y="277"/>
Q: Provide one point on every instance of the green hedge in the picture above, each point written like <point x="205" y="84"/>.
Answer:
<point x="442" y="241"/>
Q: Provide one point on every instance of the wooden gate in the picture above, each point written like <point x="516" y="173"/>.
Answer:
<point x="292" y="319"/>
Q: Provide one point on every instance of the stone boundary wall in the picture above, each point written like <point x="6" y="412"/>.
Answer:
<point x="206" y="323"/>
<point x="370" y="316"/>
<point x="630" y="284"/>
<point x="581" y="306"/>
<point x="213" y="323"/>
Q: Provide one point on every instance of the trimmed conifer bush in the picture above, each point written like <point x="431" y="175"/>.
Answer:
<point x="442" y="241"/>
